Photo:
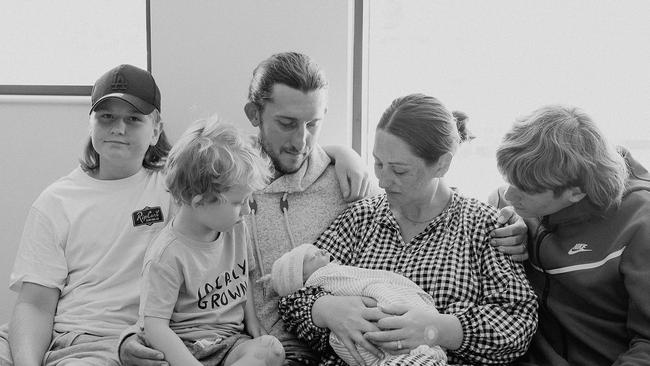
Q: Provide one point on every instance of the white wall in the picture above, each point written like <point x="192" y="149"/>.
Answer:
<point x="203" y="53"/>
<point x="40" y="141"/>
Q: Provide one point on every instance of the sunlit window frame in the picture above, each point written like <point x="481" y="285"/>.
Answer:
<point x="361" y="126"/>
<point x="72" y="90"/>
<point x="360" y="79"/>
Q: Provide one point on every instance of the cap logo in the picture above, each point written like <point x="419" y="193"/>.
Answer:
<point x="119" y="82"/>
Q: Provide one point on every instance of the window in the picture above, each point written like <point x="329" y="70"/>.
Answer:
<point x="61" y="48"/>
<point x="498" y="60"/>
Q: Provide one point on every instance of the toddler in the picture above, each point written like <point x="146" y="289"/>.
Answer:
<point x="195" y="303"/>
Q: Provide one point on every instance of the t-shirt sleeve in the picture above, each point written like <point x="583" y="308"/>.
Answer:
<point x="41" y="256"/>
<point x="161" y="282"/>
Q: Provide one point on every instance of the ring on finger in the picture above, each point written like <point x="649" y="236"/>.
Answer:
<point x="399" y="344"/>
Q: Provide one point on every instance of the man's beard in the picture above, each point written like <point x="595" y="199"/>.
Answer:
<point x="275" y="159"/>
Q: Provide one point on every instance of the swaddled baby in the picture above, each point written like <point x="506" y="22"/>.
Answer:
<point x="306" y="265"/>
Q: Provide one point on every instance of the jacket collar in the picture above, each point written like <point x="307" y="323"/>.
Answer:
<point x="302" y="179"/>
<point x="579" y="212"/>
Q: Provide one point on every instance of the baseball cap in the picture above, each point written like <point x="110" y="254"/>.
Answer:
<point x="130" y="84"/>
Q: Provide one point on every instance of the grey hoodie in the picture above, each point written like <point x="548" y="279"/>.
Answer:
<point x="294" y="209"/>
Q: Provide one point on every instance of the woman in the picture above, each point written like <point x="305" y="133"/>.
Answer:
<point x="439" y="239"/>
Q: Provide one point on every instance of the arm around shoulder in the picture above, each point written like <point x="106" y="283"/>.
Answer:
<point x="513" y="234"/>
<point x="353" y="174"/>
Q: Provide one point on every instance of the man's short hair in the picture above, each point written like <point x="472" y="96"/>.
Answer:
<point x="559" y="147"/>
<point x="295" y="70"/>
<point x="210" y="158"/>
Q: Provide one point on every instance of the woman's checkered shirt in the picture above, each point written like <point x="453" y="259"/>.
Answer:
<point x="451" y="259"/>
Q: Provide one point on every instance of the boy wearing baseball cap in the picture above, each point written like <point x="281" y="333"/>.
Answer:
<point x="77" y="267"/>
<point x="130" y="84"/>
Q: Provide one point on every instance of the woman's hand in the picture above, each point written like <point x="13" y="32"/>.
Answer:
<point x="511" y="238"/>
<point x="349" y="317"/>
<point x="133" y="351"/>
<point x="406" y="327"/>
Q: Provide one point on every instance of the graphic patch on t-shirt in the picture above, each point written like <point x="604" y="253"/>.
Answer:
<point x="227" y="287"/>
<point x="147" y="216"/>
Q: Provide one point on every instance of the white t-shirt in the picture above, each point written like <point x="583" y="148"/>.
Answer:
<point x="87" y="238"/>
<point x="200" y="287"/>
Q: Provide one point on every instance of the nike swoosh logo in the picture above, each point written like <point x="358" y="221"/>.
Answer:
<point x="573" y="251"/>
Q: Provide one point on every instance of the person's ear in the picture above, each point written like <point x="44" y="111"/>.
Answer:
<point x="574" y="194"/>
<point x="443" y="164"/>
<point x="196" y="201"/>
<point x="253" y="113"/>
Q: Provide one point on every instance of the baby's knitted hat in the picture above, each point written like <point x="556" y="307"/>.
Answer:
<point x="286" y="274"/>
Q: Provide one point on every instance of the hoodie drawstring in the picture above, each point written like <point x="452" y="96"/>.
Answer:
<point x="258" y="255"/>
<point x="284" y="207"/>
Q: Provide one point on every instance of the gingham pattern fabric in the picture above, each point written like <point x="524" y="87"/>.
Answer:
<point x="451" y="259"/>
